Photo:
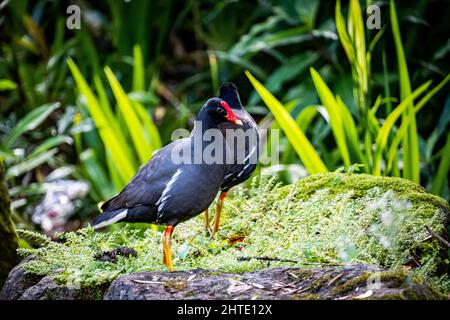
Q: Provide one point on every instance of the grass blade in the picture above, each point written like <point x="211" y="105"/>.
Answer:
<point x="351" y="135"/>
<point x="333" y="109"/>
<point x="214" y="69"/>
<point x="442" y="172"/>
<point x="109" y="137"/>
<point x="411" y="169"/>
<point x="342" y="32"/>
<point x="138" y="69"/>
<point x="295" y="135"/>
<point x="357" y="36"/>
<point x="143" y="148"/>
<point x="30" y="163"/>
<point x="401" y="133"/>
<point x="96" y="173"/>
<point x="151" y="130"/>
<point x="50" y="143"/>
<point x="31" y="121"/>
<point x="383" y="134"/>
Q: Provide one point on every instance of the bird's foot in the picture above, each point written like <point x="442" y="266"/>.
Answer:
<point x="209" y="231"/>
<point x="207" y="225"/>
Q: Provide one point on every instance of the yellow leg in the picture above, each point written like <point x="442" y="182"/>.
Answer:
<point x="207" y="225"/>
<point x="218" y="210"/>
<point x="167" y="254"/>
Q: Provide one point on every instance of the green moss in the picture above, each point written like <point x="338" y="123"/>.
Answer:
<point x="396" y="279"/>
<point x="300" y="273"/>
<point x="319" y="283"/>
<point x="175" y="285"/>
<point x="308" y="296"/>
<point x="359" y="183"/>
<point x="360" y="280"/>
<point x="323" y="219"/>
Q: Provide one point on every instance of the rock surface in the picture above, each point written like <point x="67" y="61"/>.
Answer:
<point x="349" y="282"/>
<point x="18" y="282"/>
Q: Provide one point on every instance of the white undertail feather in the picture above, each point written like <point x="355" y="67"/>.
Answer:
<point x="114" y="219"/>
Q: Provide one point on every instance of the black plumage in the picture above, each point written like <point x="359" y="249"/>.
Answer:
<point x="244" y="159"/>
<point x="239" y="171"/>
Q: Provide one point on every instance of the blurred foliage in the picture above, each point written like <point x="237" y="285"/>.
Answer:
<point x="145" y="67"/>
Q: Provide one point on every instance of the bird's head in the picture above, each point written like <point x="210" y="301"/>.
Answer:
<point x="229" y="92"/>
<point x="219" y="111"/>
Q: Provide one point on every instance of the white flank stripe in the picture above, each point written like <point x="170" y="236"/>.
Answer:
<point x="160" y="207"/>
<point x="114" y="219"/>
<point x="162" y="199"/>
<point x="250" y="154"/>
<point x="243" y="170"/>
<point x="164" y="195"/>
<point x="228" y="175"/>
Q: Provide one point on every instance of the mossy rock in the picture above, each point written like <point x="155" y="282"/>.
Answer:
<point x="325" y="219"/>
<point x="348" y="282"/>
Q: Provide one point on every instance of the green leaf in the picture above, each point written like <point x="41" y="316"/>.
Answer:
<point x="31" y="121"/>
<point x="151" y="131"/>
<point x="401" y="133"/>
<point x="112" y="119"/>
<point x="357" y="36"/>
<point x="306" y="116"/>
<point x="51" y="143"/>
<point x="351" y="135"/>
<point x="108" y="135"/>
<point x="214" y="69"/>
<point x="411" y="161"/>
<point x="443" y="169"/>
<point x="6" y="84"/>
<point x="333" y="110"/>
<point x="242" y="62"/>
<point x="341" y="121"/>
<point x="96" y="173"/>
<point x="295" y="135"/>
<point x="383" y="134"/>
<point x="141" y="144"/>
<point x="30" y="163"/>
<point x="342" y="32"/>
<point x="138" y="69"/>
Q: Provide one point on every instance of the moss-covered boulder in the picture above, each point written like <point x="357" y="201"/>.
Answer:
<point x="356" y="281"/>
<point x="333" y="219"/>
<point x="351" y="282"/>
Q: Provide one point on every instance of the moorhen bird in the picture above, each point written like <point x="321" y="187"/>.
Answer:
<point x="165" y="192"/>
<point x="244" y="159"/>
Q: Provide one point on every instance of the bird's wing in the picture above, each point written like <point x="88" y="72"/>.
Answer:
<point x="146" y="186"/>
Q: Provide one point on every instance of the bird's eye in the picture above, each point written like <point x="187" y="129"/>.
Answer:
<point x="220" y="111"/>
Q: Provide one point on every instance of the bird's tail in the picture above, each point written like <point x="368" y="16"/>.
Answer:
<point x="109" y="217"/>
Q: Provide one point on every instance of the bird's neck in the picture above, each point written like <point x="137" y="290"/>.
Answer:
<point x="201" y="126"/>
<point x="233" y="100"/>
